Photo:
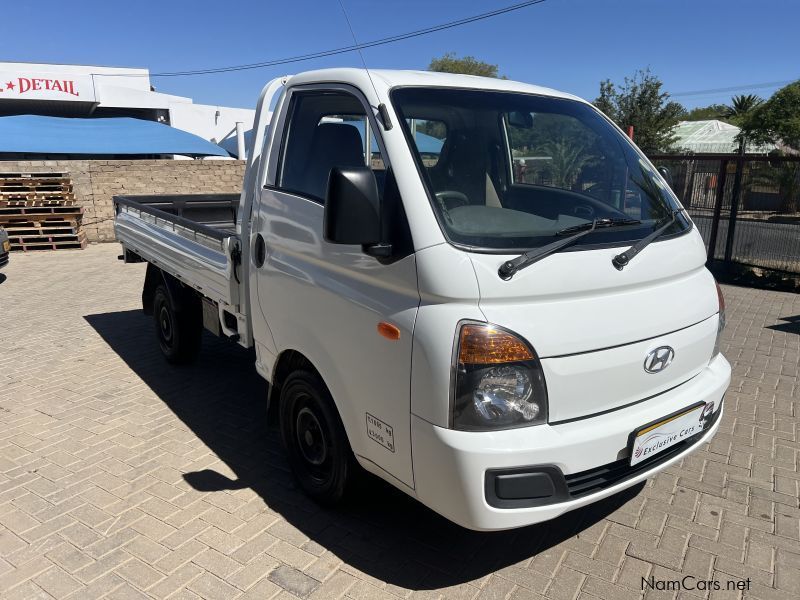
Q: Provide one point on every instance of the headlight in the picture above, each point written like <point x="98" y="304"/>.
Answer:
<point x="498" y="383"/>
<point x="721" y="323"/>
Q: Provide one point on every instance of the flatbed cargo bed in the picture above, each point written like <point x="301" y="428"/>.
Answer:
<point x="193" y="237"/>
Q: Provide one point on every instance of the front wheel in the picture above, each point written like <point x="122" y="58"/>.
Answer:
<point x="314" y="437"/>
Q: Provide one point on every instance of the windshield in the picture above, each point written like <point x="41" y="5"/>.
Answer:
<point x="509" y="171"/>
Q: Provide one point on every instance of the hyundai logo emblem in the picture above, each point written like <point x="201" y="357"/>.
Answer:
<point x="659" y="359"/>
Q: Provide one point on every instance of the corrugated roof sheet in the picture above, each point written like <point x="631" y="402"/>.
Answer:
<point x="34" y="134"/>
<point x="711" y="137"/>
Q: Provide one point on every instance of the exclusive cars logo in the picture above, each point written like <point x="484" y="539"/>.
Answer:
<point x="22" y="85"/>
<point x="659" y="359"/>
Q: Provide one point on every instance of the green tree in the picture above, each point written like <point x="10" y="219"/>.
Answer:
<point x="741" y="106"/>
<point x="777" y="121"/>
<point x="641" y="102"/>
<point x="786" y="178"/>
<point x="705" y="113"/>
<point x="568" y="157"/>
<point x="467" y="65"/>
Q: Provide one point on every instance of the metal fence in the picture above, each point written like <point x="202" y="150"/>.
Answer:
<point x="746" y="207"/>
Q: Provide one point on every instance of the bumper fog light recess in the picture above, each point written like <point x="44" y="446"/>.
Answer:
<point x="525" y="487"/>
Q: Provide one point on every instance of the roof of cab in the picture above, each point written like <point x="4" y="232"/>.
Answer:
<point x="390" y="78"/>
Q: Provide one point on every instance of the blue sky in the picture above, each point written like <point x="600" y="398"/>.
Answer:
<point x="566" y="44"/>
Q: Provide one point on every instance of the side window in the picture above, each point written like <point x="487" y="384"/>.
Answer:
<point x="368" y="141"/>
<point x="429" y="137"/>
<point x="326" y="130"/>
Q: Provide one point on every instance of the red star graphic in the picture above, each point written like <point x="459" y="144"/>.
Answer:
<point x="9" y="85"/>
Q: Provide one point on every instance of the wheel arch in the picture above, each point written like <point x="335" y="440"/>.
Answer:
<point x="175" y="289"/>
<point x="288" y="361"/>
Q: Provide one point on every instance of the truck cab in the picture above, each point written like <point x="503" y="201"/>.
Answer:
<point x="477" y="289"/>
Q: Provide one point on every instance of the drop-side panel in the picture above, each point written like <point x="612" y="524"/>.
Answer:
<point x="200" y="261"/>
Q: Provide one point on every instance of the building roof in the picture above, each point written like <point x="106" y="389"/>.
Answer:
<point x="711" y="136"/>
<point x="33" y="134"/>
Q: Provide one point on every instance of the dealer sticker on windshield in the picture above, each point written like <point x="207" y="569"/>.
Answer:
<point x="656" y="437"/>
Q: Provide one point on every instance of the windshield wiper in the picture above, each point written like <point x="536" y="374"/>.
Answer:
<point x="614" y="222"/>
<point x="508" y="268"/>
<point x="620" y="260"/>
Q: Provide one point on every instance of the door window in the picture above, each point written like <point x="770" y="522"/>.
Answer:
<point x="326" y="130"/>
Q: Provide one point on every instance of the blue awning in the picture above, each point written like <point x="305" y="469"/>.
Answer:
<point x="34" y="134"/>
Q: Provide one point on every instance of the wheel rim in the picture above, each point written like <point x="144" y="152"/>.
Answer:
<point x="165" y="325"/>
<point x="311" y="438"/>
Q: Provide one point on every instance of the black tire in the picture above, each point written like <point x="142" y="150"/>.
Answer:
<point x="314" y="437"/>
<point x="179" y="329"/>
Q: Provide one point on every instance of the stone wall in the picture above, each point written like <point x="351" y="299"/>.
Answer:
<point x="96" y="181"/>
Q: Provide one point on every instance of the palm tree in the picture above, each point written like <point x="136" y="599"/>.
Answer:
<point x="741" y="106"/>
<point x="568" y="157"/>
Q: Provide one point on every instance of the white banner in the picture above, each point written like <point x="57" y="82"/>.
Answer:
<point x="19" y="85"/>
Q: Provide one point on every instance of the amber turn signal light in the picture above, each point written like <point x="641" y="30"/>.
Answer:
<point x="487" y="345"/>
<point x="389" y="331"/>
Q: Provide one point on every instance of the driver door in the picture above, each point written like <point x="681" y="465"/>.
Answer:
<point x="326" y="300"/>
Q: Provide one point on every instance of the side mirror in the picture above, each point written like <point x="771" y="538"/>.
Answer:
<point x="353" y="210"/>
<point x="667" y="175"/>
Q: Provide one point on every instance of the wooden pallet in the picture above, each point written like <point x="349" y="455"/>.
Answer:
<point x="50" y="245"/>
<point x="47" y="241"/>
<point x="26" y="228"/>
<point x="34" y="175"/>
<point x="35" y="189"/>
<point x="38" y="211"/>
<point x="39" y="220"/>
<point x="32" y="211"/>
<point x="35" y="186"/>
<point x="54" y="200"/>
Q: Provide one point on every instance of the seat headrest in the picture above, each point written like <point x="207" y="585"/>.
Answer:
<point x="333" y="145"/>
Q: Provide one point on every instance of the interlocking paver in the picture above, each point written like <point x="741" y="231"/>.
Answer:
<point x="123" y="477"/>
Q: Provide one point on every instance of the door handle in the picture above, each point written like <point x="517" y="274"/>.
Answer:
<point x="259" y="251"/>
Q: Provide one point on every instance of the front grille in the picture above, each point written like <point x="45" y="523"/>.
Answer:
<point x="600" y="478"/>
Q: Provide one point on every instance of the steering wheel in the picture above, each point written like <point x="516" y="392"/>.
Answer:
<point x="449" y="199"/>
<point x="445" y="197"/>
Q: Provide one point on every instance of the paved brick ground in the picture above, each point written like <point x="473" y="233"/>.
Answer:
<point x="122" y="477"/>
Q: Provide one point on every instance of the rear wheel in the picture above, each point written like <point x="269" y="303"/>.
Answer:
<point x="178" y="328"/>
<point x="314" y="437"/>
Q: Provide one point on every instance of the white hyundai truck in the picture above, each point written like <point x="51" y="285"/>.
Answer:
<point x="477" y="289"/>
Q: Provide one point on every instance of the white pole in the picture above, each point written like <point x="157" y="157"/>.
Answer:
<point x="240" y="151"/>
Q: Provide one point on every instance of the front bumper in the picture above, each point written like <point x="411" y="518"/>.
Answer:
<point x="450" y="466"/>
